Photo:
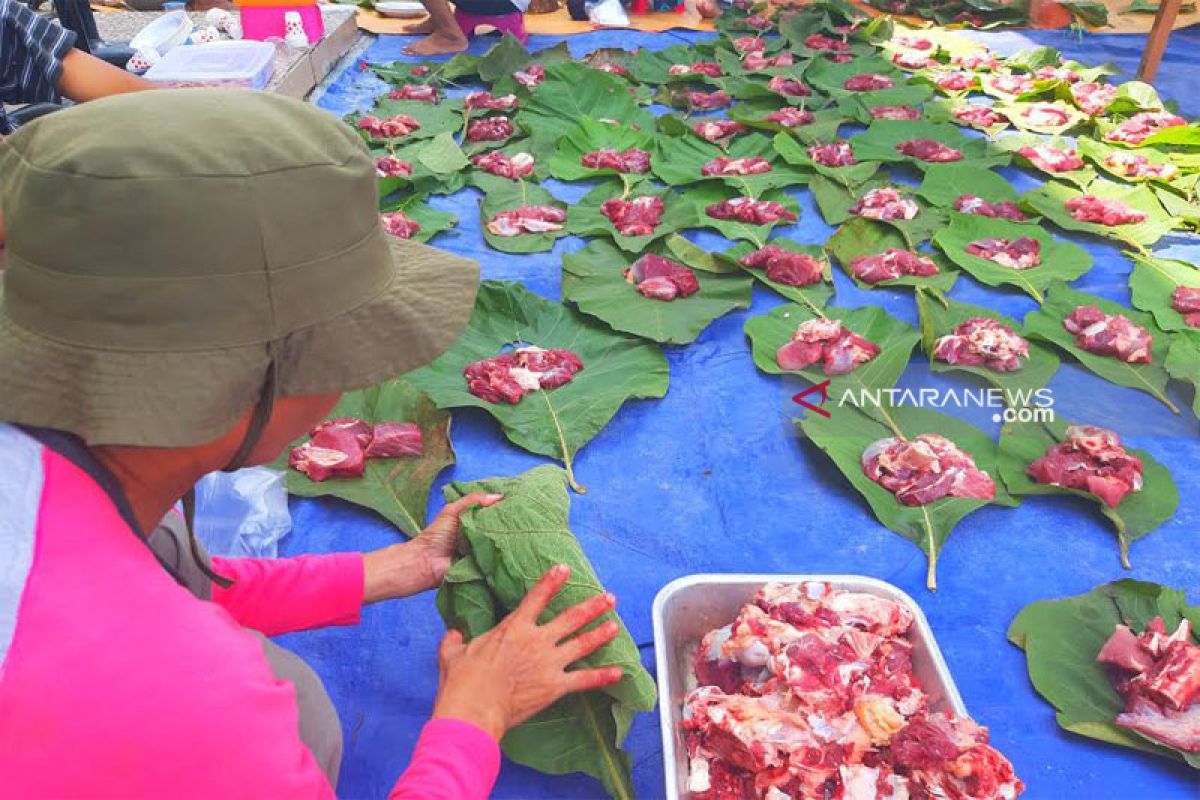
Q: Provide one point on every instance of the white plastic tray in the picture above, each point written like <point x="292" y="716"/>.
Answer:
<point x="240" y="63"/>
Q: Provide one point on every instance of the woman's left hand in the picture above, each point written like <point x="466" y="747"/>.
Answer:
<point x="413" y="567"/>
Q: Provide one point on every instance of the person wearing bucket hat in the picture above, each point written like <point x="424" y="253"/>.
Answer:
<point x="193" y="278"/>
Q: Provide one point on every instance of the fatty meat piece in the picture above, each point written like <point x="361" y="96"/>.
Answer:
<point x="489" y="129"/>
<point x="750" y="44"/>
<point x="1090" y="460"/>
<point x="914" y="43"/>
<point x="1186" y="300"/>
<point x="756" y="60"/>
<point x="895" y="112"/>
<point x="977" y="115"/>
<point x="1100" y="211"/>
<point x="333" y="452"/>
<point x="791" y="117"/>
<point x="415" y="91"/>
<point x="390" y="128"/>
<point x="636" y="217"/>
<point x="758" y="21"/>
<point x="1059" y="73"/>
<point x="840" y="351"/>
<point x="1140" y="127"/>
<point x="982" y="342"/>
<point x="913" y="60"/>
<point x="788" y="87"/>
<point x="707" y="101"/>
<point x="1093" y="98"/>
<point x="527" y="219"/>
<point x="718" y="129"/>
<point x="971" y="204"/>
<point x="750" y="211"/>
<point x="397" y="224"/>
<point x="784" y="266"/>
<point x="868" y="82"/>
<point x="1019" y="254"/>
<point x="708" y="68"/>
<point x="515" y="166"/>
<point x="890" y="265"/>
<point x="724" y="166"/>
<point x="929" y="150"/>
<point x="486" y="101"/>
<point x="1044" y="115"/>
<point x="833" y="154"/>
<point x="530" y="76"/>
<point x="392" y="167"/>
<point x="955" y="81"/>
<point x="508" y="377"/>
<point x="885" y="203"/>
<point x="395" y="440"/>
<point x="632" y="161"/>
<point x="612" y="69"/>
<point x="922" y="470"/>
<point x="1010" y="84"/>
<point x="980" y="60"/>
<point x="1110" y="335"/>
<point x="661" y="278"/>
<point x="819" y="41"/>
<point x="1052" y="159"/>
<point x="1135" y="165"/>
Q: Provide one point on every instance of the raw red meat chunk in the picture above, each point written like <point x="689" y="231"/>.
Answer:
<point x="784" y="266"/>
<point x="925" y="469"/>
<point x="707" y="101"/>
<point x="718" y="129"/>
<point x="392" y="167"/>
<point x="1186" y="300"/>
<point x="337" y="448"/>
<point x="1135" y="165"/>
<point x="895" y="112"/>
<point x="757" y="61"/>
<point x="395" y="440"/>
<point x="631" y="161"/>
<point x="914" y="42"/>
<point x="982" y="342"/>
<point x="791" y="117"/>
<point x="840" y="351"/>
<point x="891" y="264"/>
<point x="833" y="154"/>
<point x="788" y="87"/>
<point x="1097" y="210"/>
<point x="415" y="91"/>
<point x="1045" y="115"/>
<point x="661" y="278"/>
<point x="508" y="377"/>
<point x="868" y="82"/>
<point x="885" y="203"/>
<point x="1090" y="460"/>
<point x="1052" y="159"/>
<point x="955" y="81"/>
<point x="978" y="115"/>
<point x="390" y="128"/>
<point x="527" y="219"/>
<point x="750" y="44"/>
<point x="839" y="58"/>
<point x="913" y="60"/>
<point x="819" y="41"/>
<point x="1010" y="84"/>
<point x="722" y="166"/>
<point x="531" y="76"/>
<point x="397" y="224"/>
<point x="708" y="68"/>
<point x="980" y="60"/>
<point x="489" y="129"/>
<point x="420" y="71"/>
<point x="515" y="166"/>
<point x="1006" y="209"/>
<point x="1142" y="126"/>
<point x="1158" y="676"/>
<point x="1093" y="98"/>
<point x="929" y="150"/>
<point x="487" y="102"/>
<point x="758" y="21"/>
<point x="636" y="217"/>
<point x="1019" y="254"/>
<point x="1110" y="335"/>
<point x="750" y="211"/>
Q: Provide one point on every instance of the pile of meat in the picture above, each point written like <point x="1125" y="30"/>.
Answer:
<point x="868" y="82"/>
<point x="1186" y="300"/>
<point x="661" y="278"/>
<point x="819" y="41"/>
<point x="885" y="203"/>
<point x="810" y="693"/>
<point x="392" y="167"/>
<point x="757" y="60"/>
<point x="1052" y="159"/>
<point x="955" y="81"/>
<point x="982" y="342"/>
<point x="1140" y="127"/>
<point x="723" y="166"/>
<point x="508" y="377"/>
<point x="977" y="115"/>
<point x="913" y="60"/>
<point x="415" y="91"/>
<point x="530" y="76"/>
<point x="1135" y="165"/>
<point x="636" y="217"/>
<point x="928" y="150"/>
<point x="891" y="264"/>
<point x="515" y="166"/>
<point x="1091" y="460"/>
<point x="718" y="129"/>
<point x="839" y="350"/>
<point x="338" y="448"/>
<point x="527" y="219"/>
<point x="1045" y="115"/>
<point x="1110" y="335"/>
<point x="1049" y="73"/>
<point x="833" y="154"/>
<point x="895" y="112"/>
<point x="490" y="129"/>
<point x="632" y="161"/>
<point x="750" y="211"/>
<point x="1006" y="209"/>
<point x="922" y="470"/>
<point x="708" y="68"/>
<point x="1093" y="98"/>
<point x="1018" y="254"/>
<point x="1100" y="211"/>
<point x="791" y="117"/>
<point x="395" y="223"/>
<point x="390" y="128"/>
<point x="1158" y="676"/>
<point x="708" y="101"/>
<point x="784" y="266"/>
<point x="978" y="60"/>
<point x="750" y="44"/>
<point x="484" y="101"/>
<point x="1010" y="84"/>
<point x="788" y="87"/>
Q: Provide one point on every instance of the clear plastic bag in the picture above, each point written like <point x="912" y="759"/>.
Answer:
<point x="243" y="513"/>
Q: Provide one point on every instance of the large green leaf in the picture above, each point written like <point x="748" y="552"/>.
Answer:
<point x="437" y="165"/>
<point x="1183" y="363"/>
<point x="593" y="279"/>
<point x="943" y="111"/>
<point x="588" y="220"/>
<point x="711" y="192"/>
<point x="679" y="160"/>
<point x="1016" y="113"/>
<point x="541" y="151"/>
<point x="414" y="207"/>
<point x="397" y="488"/>
<point x="589" y="136"/>
<point x="1022" y="443"/>
<point x="1046" y="323"/>
<point x="830" y="77"/>
<point x="573" y="91"/>
<point x="1060" y="260"/>
<point x="814" y="294"/>
<point x="1049" y="198"/>
<point x="824" y="126"/>
<point x="1152" y="282"/>
<point x="848" y="431"/>
<point x="1061" y="639"/>
<point x="435" y="118"/>
<point x="836" y="201"/>
<point x="554" y="422"/>
<point x="939" y="318"/>
<point x="945" y="183"/>
<point x="504" y="195"/>
<point x="796" y="153"/>
<point x="858" y="105"/>
<point x="1097" y="152"/>
<point x="1080" y="177"/>
<point x="509" y="546"/>
<point x="881" y="139"/>
<point x="864" y="237"/>
<point x="653" y="66"/>
<point x="506" y="57"/>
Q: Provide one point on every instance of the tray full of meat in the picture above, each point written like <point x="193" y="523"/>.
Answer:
<point x="812" y="687"/>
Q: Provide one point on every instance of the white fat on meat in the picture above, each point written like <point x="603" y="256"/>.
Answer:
<point x="698" y="777"/>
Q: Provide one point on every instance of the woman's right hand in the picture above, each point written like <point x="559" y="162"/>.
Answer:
<point x="505" y="676"/>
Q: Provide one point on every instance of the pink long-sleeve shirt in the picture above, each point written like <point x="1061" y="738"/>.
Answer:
<point x="117" y="682"/>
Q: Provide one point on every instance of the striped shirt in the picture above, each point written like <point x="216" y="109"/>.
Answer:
<point x="32" y="49"/>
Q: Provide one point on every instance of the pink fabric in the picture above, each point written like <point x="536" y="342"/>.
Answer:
<point x="513" y="23"/>
<point x="121" y="684"/>
<point x="437" y="766"/>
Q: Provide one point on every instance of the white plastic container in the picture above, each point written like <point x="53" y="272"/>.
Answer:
<point x="247" y="64"/>
<point x="163" y="34"/>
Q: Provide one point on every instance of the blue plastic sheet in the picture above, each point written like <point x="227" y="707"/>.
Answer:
<point x="713" y="479"/>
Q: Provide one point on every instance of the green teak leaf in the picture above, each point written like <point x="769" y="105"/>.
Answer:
<point x="706" y="194"/>
<point x="1152" y="283"/>
<point x="880" y="141"/>
<point x="1183" y="363"/>
<point x="431" y="220"/>
<point x="863" y="237"/>
<point x="836" y="201"/>
<point x="945" y="183"/>
<point x="589" y="136"/>
<point x="506" y="195"/>
<point x="587" y="219"/>
<point x="848" y="177"/>
<point x="1048" y="200"/>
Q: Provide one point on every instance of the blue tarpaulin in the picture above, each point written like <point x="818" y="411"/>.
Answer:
<point x="713" y="479"/>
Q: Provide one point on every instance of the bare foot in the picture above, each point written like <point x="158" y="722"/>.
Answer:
<point x="437" y="44"/>
<point x="424" y="27"/>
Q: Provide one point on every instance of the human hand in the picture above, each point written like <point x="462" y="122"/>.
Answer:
<point x="503" y="677"/>
<point x="439" y="540"/>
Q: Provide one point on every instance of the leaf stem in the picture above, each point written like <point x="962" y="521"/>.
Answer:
<point x="931" y="571"/>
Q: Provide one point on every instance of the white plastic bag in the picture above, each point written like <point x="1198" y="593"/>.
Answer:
<point x="243" y="513"/>
<point x="608" y="13"/>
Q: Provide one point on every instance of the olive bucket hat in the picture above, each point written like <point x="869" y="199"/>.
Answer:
<point x="174" y="254"/>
